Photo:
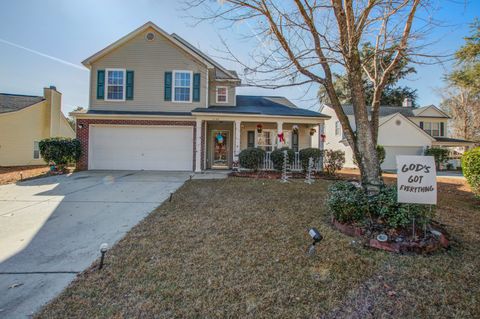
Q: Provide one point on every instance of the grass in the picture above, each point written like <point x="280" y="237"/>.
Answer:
<point x="236" y="248"/>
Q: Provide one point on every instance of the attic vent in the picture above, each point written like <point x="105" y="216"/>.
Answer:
<point x="398" y="122"/>
<point x="150" y="36"/>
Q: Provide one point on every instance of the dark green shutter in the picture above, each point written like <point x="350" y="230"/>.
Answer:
<point x="196" y="87"/>
<point x="421" y="125"/>
<point x="100" y="84"/>
<point x="129" y="86"/>
<point x="295" y="141"/>
<point x="168" y="86"/>
<point x="442" y="129"/>
<point x="251" y="139"/>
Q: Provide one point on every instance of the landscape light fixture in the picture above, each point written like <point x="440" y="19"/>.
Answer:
<point x="316" y="236"/>
<point x="103" y="250"/>
<point x="171" y="195"/>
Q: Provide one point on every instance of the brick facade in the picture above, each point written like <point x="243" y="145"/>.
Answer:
<point x="83" y="127"/>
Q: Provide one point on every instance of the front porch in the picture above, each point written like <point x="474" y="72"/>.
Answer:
<point x="224" y="139"/>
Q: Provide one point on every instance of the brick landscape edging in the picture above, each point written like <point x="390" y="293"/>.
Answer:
<point x="83" y="128"/>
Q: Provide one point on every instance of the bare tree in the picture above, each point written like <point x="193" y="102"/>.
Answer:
<point x="305" y="41"/>
<point x="463" y="106"/>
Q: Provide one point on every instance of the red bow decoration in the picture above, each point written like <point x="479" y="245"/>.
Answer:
<point x="324" y="137"/>
<point x="281" y="137"/>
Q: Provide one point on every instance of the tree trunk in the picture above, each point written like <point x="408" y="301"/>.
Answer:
<point x="365" y="140"/>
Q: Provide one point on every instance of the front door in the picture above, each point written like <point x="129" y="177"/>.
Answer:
<point x="220" y="149"/>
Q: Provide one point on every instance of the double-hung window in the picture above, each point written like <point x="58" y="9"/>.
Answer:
<point x="338" y="128"/>
<point x="222" y="94"/>
<point x="267" y="140"/>
<point x="432" y="128"/>
<point x="182" y="86"/>
<point x="36" y="150"/>
<point x="115" y="85"/>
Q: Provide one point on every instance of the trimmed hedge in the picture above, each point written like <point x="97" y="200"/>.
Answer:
<point x="277" y="157"/>
<point x="440" y="155"/>
<point x="251" y="158"/>
<point x="60" y="150"/>
<point x="471" y="169"/>
<point x="306" y="153"/>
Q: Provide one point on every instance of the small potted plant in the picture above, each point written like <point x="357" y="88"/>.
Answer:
<point x="312" y="131"/>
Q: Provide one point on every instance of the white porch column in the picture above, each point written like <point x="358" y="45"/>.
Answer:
<point x="279" y="130"/>
<point x="236" y="141"/>
<point x="198" y="146"/>
<point x="321" y="131"/>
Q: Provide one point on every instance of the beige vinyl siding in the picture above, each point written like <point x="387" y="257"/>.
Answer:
<point x="212" y="89"/>
<point x="149" y="61"/>
<point x="19" y="130"/>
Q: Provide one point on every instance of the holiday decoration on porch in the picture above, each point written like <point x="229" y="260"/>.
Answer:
<point x="323" y="137"/>
<point x="281" y="137"/>
<point x="308" y="176"/>
<point x="286" y="168"/>
<point x="219" y="138"/>
<point x="295" y="128"/>
<point x="259" y="128"/>
<point x="312" y="131"/>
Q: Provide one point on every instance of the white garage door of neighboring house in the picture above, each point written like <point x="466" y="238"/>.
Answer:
<point x="141" y="147"/>
<point x="391" y="152"/>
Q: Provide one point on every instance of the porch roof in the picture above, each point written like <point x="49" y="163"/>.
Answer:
<point x="261" y="105"/>
<point x="446" y="141"/>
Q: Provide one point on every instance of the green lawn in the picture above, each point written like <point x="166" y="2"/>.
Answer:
<point x="236" y="248"/>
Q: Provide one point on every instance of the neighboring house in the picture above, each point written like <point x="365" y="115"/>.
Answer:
<point x="26" y="120"/>
<point x="158" y="103"/>
<point x="403" y="130"/>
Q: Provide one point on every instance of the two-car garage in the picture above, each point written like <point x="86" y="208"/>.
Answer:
<point x="125" y="147"/>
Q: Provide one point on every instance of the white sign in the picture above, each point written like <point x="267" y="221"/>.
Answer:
<point x="416" y="179"/>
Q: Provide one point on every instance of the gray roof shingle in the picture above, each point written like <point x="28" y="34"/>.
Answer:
<point x="262" y="105"/>
<point x="386" y="110"/>
<point x="16" y="102"/>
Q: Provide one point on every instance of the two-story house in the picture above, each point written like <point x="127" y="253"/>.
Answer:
<point x="158" y="103"/>
<point x="403" y="130"/>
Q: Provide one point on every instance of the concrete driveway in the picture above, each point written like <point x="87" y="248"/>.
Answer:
<point x="51" y="228"/>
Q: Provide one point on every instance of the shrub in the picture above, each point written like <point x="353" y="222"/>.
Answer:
<point x="471" y="169"/>
<point x="380" y="155"/>
<point x="347" y="202"/>
<point x="440" y="155"/>
<point x="306" y="153"/>
<point x="251" y="158"/>
<point x="60" y="150"/>
<point x="277" y="157"/>
<point x="393" y="214"/>
<point x="333" y="161"/>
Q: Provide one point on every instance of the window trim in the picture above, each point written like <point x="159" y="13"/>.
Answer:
<point x="35" y="149"/>
<point x="124" y="84"/>
<point x="226" y="94"/>
<point x="191" y="86"/>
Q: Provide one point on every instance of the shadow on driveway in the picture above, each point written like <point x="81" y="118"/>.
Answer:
<point x="51" y="228"/>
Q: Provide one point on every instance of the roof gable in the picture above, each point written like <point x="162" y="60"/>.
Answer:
<point x="201" y="58"/>
<point x="388" y="120"/>
<point x="430" y="111"/>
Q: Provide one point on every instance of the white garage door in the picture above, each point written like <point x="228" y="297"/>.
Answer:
<point x="141" y="147"/>
<point x="391" y="152"/>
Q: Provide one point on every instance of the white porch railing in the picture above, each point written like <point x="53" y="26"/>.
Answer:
<point x="296" y="166"/>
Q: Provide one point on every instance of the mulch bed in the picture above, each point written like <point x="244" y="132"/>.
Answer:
<point x="437" y="238"/>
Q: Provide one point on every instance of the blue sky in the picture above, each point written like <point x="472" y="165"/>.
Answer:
<point x="42" y="43"/>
